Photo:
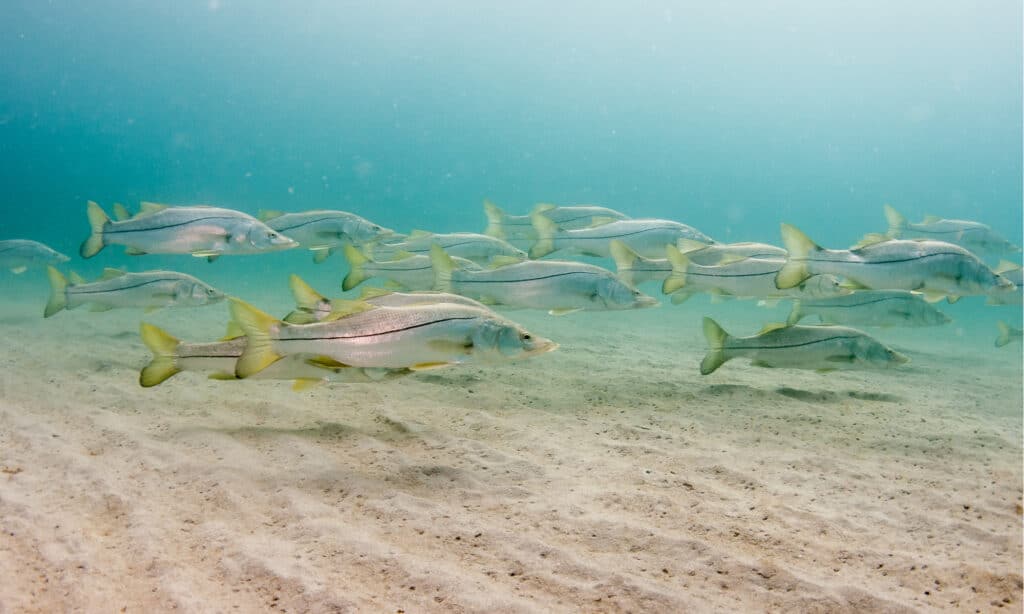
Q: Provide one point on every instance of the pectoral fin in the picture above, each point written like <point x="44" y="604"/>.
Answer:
<point x="428" y="366"/>
<point x="564" y="311"/>
<point x="301" y="385"/>
<point x="18" y="270"/>
<point x="326" y="362"/>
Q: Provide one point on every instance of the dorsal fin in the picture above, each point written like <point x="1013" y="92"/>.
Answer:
<point x="148" y="208"/>
<point x="121" y="213"/>
<point x="543" y="208"/>
<point x="304" y="294"/>
<point x="772" y="326"/>
<point x="401" y="255"/>
<point x="268" y="214"/>
<point x="689" y="245"/>
<point x="601" y="221"/>
<point x="872" y="238"/>
<point x="111" y="273"/>
<point x="76" y="279"/>
<point x="931" y="219"/>
<point x="342" y="308"/>
<point x="417" y="233"/>
<point x="502" y="261"/>
<point x="369" y="292"/>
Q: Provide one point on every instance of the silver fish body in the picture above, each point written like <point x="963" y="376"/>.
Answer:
<point x="18" y="255"/>
<point x="117" y="289"/>
<point x="1009" y="296"/>
<point x="646" y="237"/>
<point x="716" y="253"/>
<point x="468" y="245"/>
<point x="974" y="236"/>
<point x="871" y="308"/>
<point x="323" y="229"/>
<point x="410" y="271"/>
<point x="520" y="227"/>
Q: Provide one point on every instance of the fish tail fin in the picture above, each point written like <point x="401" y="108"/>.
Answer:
<point x="799" y="246"/>
<point x="795" y="313"/>
<point x="896" y="222"/>
<point x="304" y="294"/>
<point x="495" y="220"/>
<point x="443" y="265"/>
<point x="1004" y="334"/>
<point x="625" y="258"/>
<point x="716" y="337"/>
<point x="677" y="278"/>
<point x="356" y="267"/>
<point x="259" y="350"/>
<point x="98" y="220"/>
<point x="58" y="292"/>
<point x="546" y="229"/>
<point x="320" y="255"/>
<point x="165" y="354"/>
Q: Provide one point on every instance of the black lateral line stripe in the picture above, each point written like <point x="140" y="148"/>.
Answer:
<point x="301" y="224"/>
<point x="789" y="346"/>
<point x="382" y="333"/>
<point x="137" y="285"/>
<point x="864" y="303"/>
<point x="946" y="232"/>
<point x="894" y="261"/>
<point x="567" y="237"/>
<point x="110" y="231"/>
<point x="525" y="279"/>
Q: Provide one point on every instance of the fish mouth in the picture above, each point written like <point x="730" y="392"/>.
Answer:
<point x="645" y="302"/>
<point x="900" y="359"/>
<point x="543" y="346"/>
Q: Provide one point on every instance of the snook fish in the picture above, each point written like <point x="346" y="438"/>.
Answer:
<point x="870" y="308"/>
<point x="1007" y="296"/>
<point x="407" y="271"/>
<point x="322" y="231"/>
<point x="634" y="269"/>
<point x="205" y="232"/>
<point x="975" y="236"/>
<point x="520" y="227"/>
<point x="416" y="337"/>
<point x="19" y="255"/>
<point x="561" y="287"/>
<point x="116" y="289"/>
<point x="646" y="237"/>
<point x="468" y="245"/>
<point x="172" y="356"/>
<point x="822" y="348"/>
<point x="938" y="269"/>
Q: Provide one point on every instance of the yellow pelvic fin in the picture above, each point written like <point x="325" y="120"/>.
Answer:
<point x="564" y="311"/>
<point x="428" y="366"/>
<point x="222" y="376"/>
<point x="259" y="352"/>
<point x="326" y="362"/>
<point x="303" y="384"/>
<point x="164" y="362"/>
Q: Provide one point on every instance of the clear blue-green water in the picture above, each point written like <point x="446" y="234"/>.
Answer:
<point x="729" y="117"/>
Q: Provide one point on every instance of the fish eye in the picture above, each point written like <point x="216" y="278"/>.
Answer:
<point x="271" y="235"/>
<point x="525" y="336"/>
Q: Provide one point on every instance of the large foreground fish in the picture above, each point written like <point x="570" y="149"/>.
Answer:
<point x="415" y="337"/>
<point x="19" y="255"/>
<point x="933" y="267"/>
<point x="520" y="227"/>
<point x="821" y="348"/>
<point x="975" y="236"/>
<point x="646" y="237"/>
<point x="870" y="308"/>
<point x="322" y="231"/>
<point x="558" y="286"/>
<point x="217" y="359"/>
<point x="468" y="245"/>
<point x="407" y="271"/>
<point x="116" y="289"/>
<point x="201" y="231"/>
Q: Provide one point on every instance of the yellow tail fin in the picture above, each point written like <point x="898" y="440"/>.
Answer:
<point x="164" y="348"/>
<point x="799" y="246"/>
<point x="495" y="220"/>
<point x="795" y="314"/>
<point x="58" y="292"/>
<point x="357" y="261"/>
<point x="443" y="266"/>
<point x="896" y="222"/>
<point x="716" y="337"/>
<point x="98" y="220"/>
<point x="305" y="296"/>
<point x="677" y="278"/>
<point x="320" y="255"/>
<point x="259" y="350"/>
<point x="1004" y="334"/>
<point x="625" y="258"/>
<point x="546" y="229"/>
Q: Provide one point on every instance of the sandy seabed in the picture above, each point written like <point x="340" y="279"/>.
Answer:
<point x="608" y="476"/>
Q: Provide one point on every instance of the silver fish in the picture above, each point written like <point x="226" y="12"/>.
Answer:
<point x="468" y="245"/>
<point x="743" y="278"/>
<point x="311" y="306"/>
<point x="634" y="269"/>
<point x="1008" y="334"/>
<point x="1009" y="296"/>
<point x="416" y="337"/>
<point x="19" y="255"/>
<point x="871" y="308"/>
<point x="407" y="271"/>
<point x="646" y="237"/>
<point x="324" y="230"/>
<point x="206" y="232"/>
<point x="822" y="348"/>
<point x="520" y="227"/>
<point x="172" y="356"/>
<point x="561" y="287"/>
<point x="974" y="236"/>
<point x="938" y="269"/>
<point x="118" y="289"/>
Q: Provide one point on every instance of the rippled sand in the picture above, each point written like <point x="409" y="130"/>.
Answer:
<point x="608" y="476"/>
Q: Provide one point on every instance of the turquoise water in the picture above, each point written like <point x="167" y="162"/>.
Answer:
<point x="730" y="118"/>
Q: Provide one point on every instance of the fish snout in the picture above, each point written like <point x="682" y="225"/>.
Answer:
<point x="540" y="345"/>
<point x="644" y="301"/>
<point x="897" y="358"/>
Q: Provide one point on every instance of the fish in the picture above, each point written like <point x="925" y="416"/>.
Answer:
<point x="1008" y="334"/>
<point x="471" y="246"/>
<point x="204" y="232"/>
<point x="1008" y="296"/>
<point x="148" y="290"/>
<point x="561" y="287"/>
<point x="870" y="308"/>
<point x="172" y="356"/>
<point x="323" y="231"/>
<point x="974" y="236"/>
<point x="821" y="348"/>
<point x="406" y="271"/>
<point x="646" y="237"/>
<point x="417" y="337"/>
<point x="311" y="306"/>
<point x="634" y="269"/>
<point x="19" y="255"/>
<point x="936" y="268"/>
<point x="520" y="227"/>
<point x="742" y="278"/>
